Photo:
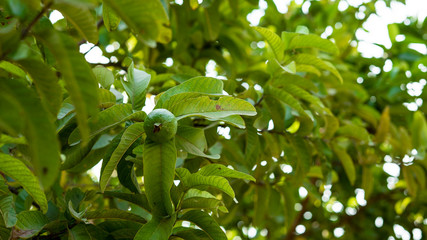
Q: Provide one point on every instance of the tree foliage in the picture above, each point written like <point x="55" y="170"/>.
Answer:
<point x="285" y="131"/>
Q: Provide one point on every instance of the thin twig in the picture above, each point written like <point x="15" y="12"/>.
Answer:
<point x="35" y="20"/>
<point x="291" y="231"/>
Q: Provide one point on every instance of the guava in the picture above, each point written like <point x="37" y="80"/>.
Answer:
<point x="160" y="125"/>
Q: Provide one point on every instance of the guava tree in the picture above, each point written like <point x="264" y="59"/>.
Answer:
<point x="205" y="127"/>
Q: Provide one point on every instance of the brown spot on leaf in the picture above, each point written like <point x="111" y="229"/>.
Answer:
<point x="218" y="107"/>
<point x="44" y="170"/>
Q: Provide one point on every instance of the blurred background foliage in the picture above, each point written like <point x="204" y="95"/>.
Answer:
<point x="350" y="164"/>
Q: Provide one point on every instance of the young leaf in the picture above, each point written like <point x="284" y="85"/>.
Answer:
<point x="213" y="109"/>
<point x="131" y="134"/>
<point x="206" y="223"/>
<point x="159" y="172"/>
<point x="81" y="18"/>
<point x="223" y="171"/>
<point x="202" y="85"/>
<point x="156" y="229"/>
<point x="275" y="42"/>
<point x="136" y="86"/>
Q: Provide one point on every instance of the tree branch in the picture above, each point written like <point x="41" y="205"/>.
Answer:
<point x="297" y="220"/>
<point x="35" y="20"/>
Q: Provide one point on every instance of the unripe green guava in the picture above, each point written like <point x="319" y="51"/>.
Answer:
<point x="160" y="125"/>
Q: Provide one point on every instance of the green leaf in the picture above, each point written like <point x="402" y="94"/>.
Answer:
<point x="81" y="18"/>
<point x="202" y="85"/>
<point x="104" y="120"/>
<point x="156" y="229"/>
<point x="346" y="161"/>
<point x="223" y="171"/>
<point x="286" y="98"/>
<point x="206" y="223"/>
<point x="89" y="160"/>
<point x="211" y="204"/>
<point x="313" y="41"/>
<point x="261" y="200"/>
<point x="75" y="154"/>
<point x="86" y="232"/>
<point x="308" y="59"/>
<point x="111" y="20"/>
<point x="192" y="140"/>
<point x="410" y="180"/>
<point x="419" y="131"/>
<point x="367" y="181"/>
<point x="159" y="172"/>
<point x="46" y="83"/>
<point x="79" y="78"/>
<point x="384" y="126"/>
<point x="275" y="42"/>
<point x="25" y="109"/>
<point x="298" y="92"/>
<point x="114" y="214"/>
<point x="211" y="21"/>
<point x="303" y="156"/>
<point x="331" y="126"/>
<point x="12" y="68"/>
<point x="15" y="169"/>
<point x="136" y="86"/>
<point x="104" y="76"/>
<point x="138" y="199"/>
<point x="7" y="210"/>
<point x="126" y="175"/>
<point x="253" y="146"/>
<point x="354" y="131"/>
<point x="199" y="181"/>
<point x="79" y="216"/>
<point x="30" y="223"/>
<point x="144" y="17"/>
<point x="212" y="109"/>
<point x="131" y="134"/>
<point x="234" y="120"/>
<point x="190" y="233"/>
